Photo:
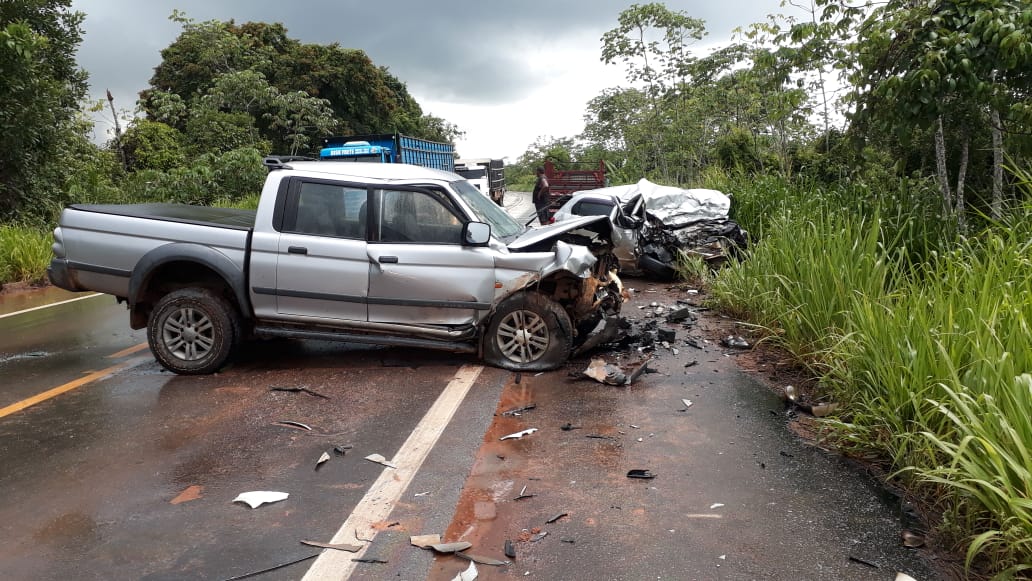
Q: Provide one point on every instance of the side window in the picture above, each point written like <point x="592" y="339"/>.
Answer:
<point x="407" y="216"/>
<point x="592" y="208"/>
<point x="331" y="210"/>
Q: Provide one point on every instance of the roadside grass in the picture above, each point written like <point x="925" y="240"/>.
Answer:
<point x="922" y="335"/>
<point x="24" y="253"/>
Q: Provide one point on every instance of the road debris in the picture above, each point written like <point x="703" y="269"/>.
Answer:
<point x="823" y="409"/>
<point x="603" y="372"/>
<point x="451" y="547"/>
<point x="302" y="389"/>
<point x="687" y="404"/>
<point x="517" y="411"/>
<point x="470" y="574"/>
<point x="735" y="342"/>
<point x="637" y="372"/>
<point x="425" y="541"/>
<point x="599" y="437"/>
<point x="322" y="459"/>
<point x="273" y="568"/>
<point x="556" y="517"/>
<point x="256" y="498"/>
<point x="716" y="505"/>
<point x="509" y="549"/>
<point x="568" y="426"/>
<point x="293" y="424"/>
<point x="863" y="562"/>
<point x="481" y="559"/>
<point x="904" y="577"/>
<point x="523" y="494"/>
<point x="640" y="473"/>
<point x="569" y="540"/>
<point x="912" y="540"/>
<point x="190" y="493"/>
<point x="342" y="449"/>
<point x="335" y="546"/>
<point x="370" y="560"/>
<point x="518" y="435"/>
<point x="538" y="536"/>
<point x="419" y="494"/>
<point x="377" y="458"/>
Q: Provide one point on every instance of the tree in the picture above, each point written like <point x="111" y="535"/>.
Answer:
<point x="40" y="90"/>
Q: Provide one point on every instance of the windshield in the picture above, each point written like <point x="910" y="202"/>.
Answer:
<point x="503" y="225"/>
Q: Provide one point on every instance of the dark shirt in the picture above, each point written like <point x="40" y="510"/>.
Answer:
<point x="541" y="190"/>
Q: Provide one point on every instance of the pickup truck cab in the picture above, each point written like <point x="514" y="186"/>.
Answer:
<point x="389" y="254"/>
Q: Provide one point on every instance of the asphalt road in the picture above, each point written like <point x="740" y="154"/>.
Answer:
<point x="115" y="469"/>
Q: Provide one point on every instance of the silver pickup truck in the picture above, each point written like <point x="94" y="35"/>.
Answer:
<point x="388" y="254"/>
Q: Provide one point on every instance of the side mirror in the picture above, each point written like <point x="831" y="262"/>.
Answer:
<point x="476" y="234"/>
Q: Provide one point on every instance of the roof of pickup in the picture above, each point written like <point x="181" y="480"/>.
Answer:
<point x="378" y="171"/>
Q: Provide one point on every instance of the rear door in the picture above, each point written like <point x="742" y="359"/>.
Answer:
<point x="323" y="268"/>
<point x="419" y="271"/>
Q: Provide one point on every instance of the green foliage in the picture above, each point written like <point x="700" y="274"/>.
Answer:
<point x="24" y="253"/>
<point x="40" y="89"/>
<point x="152" y="145"/>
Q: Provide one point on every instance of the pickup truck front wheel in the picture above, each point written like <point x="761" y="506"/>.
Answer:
<point x="528" y="332"/>
<point x="193" y="331"/>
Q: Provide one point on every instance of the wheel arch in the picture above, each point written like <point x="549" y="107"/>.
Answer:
<point x="181" y="265"/>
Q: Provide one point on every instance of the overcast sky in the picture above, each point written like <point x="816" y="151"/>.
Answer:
<point x="504" y="72"/>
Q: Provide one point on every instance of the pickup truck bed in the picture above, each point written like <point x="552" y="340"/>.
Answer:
<point x="201" y="215"/>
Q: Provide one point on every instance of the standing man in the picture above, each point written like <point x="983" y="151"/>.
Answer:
<point x="541" y="196"/>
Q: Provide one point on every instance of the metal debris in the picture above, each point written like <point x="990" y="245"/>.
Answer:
<point x="556" y="517"/>
<point x="256" y="498"/>
<point x="538" y="536"/>
<point x="637" y="372"/>
<point x="863" y="562"/>
<point x="520" y="410"/>
<point x="336" y="546"/>
<point x="425" y="541"/>
<point x="273" y="568"/>
<point x="342" y="449"/>
<point x="603" y="372"/>
<point x="324" y="458"/>
<point x="519" y="435"/>
<point x="481" y="559"/>
<point x="451" y="547"/>
<point x="302" y="389"/>
<point x="379" y="460"/>
<point x="293" y="424"/>
<point x="640" y="473"/>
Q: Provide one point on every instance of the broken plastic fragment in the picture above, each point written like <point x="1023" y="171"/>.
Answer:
<point x="904" y="577"/>
<point x="716" y="505"/>
<point x="519" y="435"/>
<point x="342" y="449"/>
<point x="912" y="540"/>
<point x="379" y="460"/>
<point x="293" y="424"/>
<point x="425" y="541"/>
<point x="470" y="574"/>
<point x="256" y="498"/>
<point x="640" y="473"/>
<point x="538" y="536"/>
<point x="687" y="403"/>
<point x="451" y="547"/>
<point x="824" y="409"/>
<point x="337" y="546"/>
<point x="520" y="410"/>
<point x="325" y="457"/>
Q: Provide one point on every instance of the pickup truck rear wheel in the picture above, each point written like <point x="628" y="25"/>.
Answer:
<point x="528" y="332"/>
<point x="193" y="331"/>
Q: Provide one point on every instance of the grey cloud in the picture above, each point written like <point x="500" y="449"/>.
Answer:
<point x="458" y="51"/>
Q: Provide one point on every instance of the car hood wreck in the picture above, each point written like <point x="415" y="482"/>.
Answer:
<point x="653" y="224"/>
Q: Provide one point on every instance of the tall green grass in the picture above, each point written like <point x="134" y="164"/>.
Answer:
<point x="24" y="254"/>
<point x="921" y="334"/>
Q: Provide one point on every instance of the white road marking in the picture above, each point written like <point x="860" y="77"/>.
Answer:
<point x="381" y="497"/>
<point x="23" y="311"/>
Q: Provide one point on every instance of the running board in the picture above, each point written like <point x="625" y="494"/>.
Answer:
<point x="369" y="339"/>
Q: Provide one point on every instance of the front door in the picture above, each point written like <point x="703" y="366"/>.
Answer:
<point x="419" y="271"/>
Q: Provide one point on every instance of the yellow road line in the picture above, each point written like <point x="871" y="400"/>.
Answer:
<point x="128" y="351"/>
<point x="50" y="393"/>
<point x="23" y="311"/>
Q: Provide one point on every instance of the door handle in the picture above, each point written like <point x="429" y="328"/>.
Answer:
<point x="389" y="260"/>
<point x="297" y="250"/>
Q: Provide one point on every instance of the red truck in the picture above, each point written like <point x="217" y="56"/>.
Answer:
<point x="563" y="183"/>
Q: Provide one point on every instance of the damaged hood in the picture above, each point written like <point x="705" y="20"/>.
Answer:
<point x="675" y="207"/>
<point x="593" y="230"/>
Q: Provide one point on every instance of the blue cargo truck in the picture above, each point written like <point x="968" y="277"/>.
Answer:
<point x="389" y="148"/>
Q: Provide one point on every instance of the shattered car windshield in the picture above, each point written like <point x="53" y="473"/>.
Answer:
<point x="503" y="225"/>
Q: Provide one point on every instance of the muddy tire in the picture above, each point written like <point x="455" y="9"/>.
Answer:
<point x="193" y="331"/>
<point x="528" y="332"/>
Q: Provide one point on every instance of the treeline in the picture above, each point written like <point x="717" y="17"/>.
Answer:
<point x="224" y="95"/>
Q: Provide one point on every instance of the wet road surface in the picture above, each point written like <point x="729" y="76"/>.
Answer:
<point x="133" y="475"/>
